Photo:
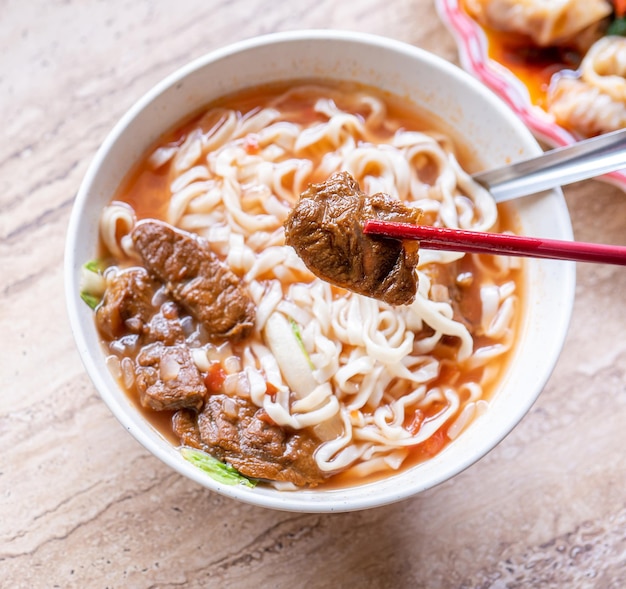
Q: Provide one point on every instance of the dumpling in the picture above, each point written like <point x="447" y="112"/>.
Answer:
<point x="584" y="109"/>
<point x="604" y="67"/>
<point x="546" y="22"/>
<point x="593" y="101"/>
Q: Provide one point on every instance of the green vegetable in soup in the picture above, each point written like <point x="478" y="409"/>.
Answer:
<point x="222" y="473"/>
<point x="296" y="331"/>
<point x="95" y="266"/>
<point x="92" y="284"/>
<point x="90" y="299"/>
<point x="283" y="342"/>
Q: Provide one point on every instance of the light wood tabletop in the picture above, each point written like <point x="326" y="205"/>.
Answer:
<point x="83" y="504"/>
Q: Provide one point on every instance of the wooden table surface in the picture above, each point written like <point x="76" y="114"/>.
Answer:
<point x="82" y="504"/>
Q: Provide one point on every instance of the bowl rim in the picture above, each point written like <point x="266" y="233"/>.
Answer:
<point x="298" y="501"/>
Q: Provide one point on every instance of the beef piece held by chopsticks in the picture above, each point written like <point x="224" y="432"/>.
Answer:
<point x="326" y="230"/>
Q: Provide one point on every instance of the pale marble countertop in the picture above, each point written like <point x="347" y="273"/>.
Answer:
<point x="82" y="504"/>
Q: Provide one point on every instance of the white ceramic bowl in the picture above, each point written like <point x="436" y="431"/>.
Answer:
<point x="433" y="84"/>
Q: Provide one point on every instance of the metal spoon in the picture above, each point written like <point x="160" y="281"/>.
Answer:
<point x="557" y="167"/>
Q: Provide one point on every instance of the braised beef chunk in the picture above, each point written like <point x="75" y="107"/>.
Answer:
<point x="326" y="230"/>
<point x="126" y="306"/>
<point x="196" y="279"/>
<point x="185" y="426"/>
<point x="232" y="429"/>
<point x="460" y="290"/>
<point x="165" y="326"/>
<point x="167" y="378"/>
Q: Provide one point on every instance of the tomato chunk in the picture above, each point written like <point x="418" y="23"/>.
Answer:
<point x="214" y="378"/>
<point x="434" y="444"/>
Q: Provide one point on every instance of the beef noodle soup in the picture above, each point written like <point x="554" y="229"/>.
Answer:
<point x="237" y="352"/>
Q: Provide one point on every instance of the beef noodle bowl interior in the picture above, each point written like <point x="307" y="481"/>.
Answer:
<point x="240" y="355"/>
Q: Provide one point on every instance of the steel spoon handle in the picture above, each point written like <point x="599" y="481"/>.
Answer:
<point x="557" y="167"/>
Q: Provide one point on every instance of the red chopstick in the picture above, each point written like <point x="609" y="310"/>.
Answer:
<point x="478" y="242"/>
